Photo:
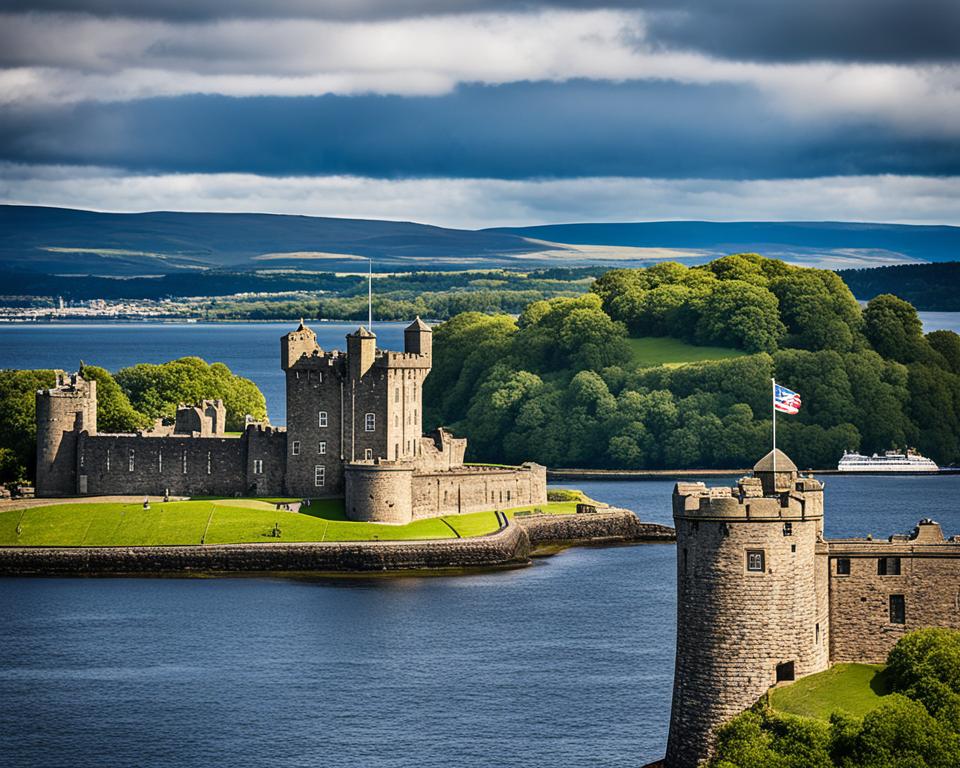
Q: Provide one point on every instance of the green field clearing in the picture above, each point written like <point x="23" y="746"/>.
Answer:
<point x="223" y="521"/>
<point x="852" y="688"/>
<point x="649" y="351"/>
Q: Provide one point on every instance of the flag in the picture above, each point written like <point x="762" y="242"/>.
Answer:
<point x="785" y="400"/>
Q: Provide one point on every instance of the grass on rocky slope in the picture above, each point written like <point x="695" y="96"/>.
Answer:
<point x="221" y="521"/>
<point x="649" y="351"/>
<point x="852" y="688"/>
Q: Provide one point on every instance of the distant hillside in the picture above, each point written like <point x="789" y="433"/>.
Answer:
<point x="48" y="241"/>
<point x="59" y="240"/>
<point x="826" y="244"/>
<point x="931" y="287"/>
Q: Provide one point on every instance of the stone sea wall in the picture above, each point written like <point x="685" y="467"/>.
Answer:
<point x="509" y="546"/>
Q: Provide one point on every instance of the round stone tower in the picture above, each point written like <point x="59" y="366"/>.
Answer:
<point x="752" y="604"/>
<point x="380" y="492"/>
<point x="62" y="414"/>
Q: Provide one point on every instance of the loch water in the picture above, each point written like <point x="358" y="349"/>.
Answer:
<point x="567" y="663"/>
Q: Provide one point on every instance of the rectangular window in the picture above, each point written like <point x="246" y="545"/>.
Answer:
<point x="81" y="459"/>
<point x="319" y="476"/>
<point x="130" y="460"/>
<point x="888" y="566"/>
<point x="258" y="466"/>
<point x="160" y="460"/>
<point x="898" y="609"/>
<point x="321" y="447"/>
<point x="368" y="454"/>
<point x="788" y="529"/>
<point x="843" y="566"/>
<point x="396" y="395"/>
<point x="322" y="419"/>
<point x="183" y="459"/>
<point x="295" y="448"/>
<point x="755" y="560"/>
<point x="369" y="422"/>
<point x="508" y="495"/>
<point x="209" y="462"/>
<point x="108" y="459"/>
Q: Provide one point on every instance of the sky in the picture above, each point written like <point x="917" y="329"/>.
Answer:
<point x="477" y="113"/>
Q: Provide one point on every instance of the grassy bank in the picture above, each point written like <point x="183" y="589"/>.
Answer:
<point x="852" y="688"/>
<point x="223" y="521"/>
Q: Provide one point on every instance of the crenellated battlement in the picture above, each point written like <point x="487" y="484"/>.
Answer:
<point x="747" y="501"/>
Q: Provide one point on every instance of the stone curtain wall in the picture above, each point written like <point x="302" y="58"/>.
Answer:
<point x="475" y="489"/>
<point x="860" y="627"/>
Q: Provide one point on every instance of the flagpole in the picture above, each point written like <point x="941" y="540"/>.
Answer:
<point x="370" y="296"/>
<point x="773" y="400"/>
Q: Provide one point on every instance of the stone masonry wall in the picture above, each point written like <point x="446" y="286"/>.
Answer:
<point x="861" y="629"/>
<point x="475" y="489"/>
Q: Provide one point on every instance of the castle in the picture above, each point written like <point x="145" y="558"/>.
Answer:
<point x="762" y="597"/>
<point x="354" y="430"/>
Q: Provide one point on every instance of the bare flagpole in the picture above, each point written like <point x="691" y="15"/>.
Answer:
<point x="370" y="295"/>
<point x="773" y="394"/>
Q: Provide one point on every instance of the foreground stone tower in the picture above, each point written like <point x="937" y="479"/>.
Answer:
<point x="752" y="602"/>
<point x="62" y="414"/>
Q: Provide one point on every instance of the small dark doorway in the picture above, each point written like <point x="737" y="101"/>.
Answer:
<point x="785" y="672"/>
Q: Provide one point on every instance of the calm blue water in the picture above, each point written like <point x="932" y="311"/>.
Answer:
<point x="568" y="663"/>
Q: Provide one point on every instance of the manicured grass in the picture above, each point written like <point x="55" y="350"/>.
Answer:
<point x="649" y="351"/>
<point x="851" y="688"/>
<point x="223" y="521"/>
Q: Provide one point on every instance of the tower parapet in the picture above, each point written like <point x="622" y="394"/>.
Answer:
<point x="752" y="603"/>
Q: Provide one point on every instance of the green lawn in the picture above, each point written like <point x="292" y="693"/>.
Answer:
<point x="852" y="688"/>
<point x="649" y="351"/>
<point x="222" y="521"/>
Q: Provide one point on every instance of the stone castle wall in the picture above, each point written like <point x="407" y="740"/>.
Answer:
<point x="475" y="489"/>
<point x="379" y="492"/>
<point x="62" y="413"/>
<point x="929" y="581"/>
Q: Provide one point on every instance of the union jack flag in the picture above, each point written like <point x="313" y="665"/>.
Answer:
<point x="785" y="400"/>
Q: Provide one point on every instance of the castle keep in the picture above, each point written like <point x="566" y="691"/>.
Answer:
<point x="354" y="430"/>
<point x="762" y="597"/>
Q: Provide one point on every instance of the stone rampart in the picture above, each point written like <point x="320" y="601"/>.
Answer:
<point x="604" y="525"/>
<point x="478" y="488"/>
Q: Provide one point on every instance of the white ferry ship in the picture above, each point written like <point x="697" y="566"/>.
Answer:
<point x="890" y="461"/>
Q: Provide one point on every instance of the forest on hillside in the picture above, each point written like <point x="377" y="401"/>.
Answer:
<point x="560" y="384"/>
<point x="930" y="287"/>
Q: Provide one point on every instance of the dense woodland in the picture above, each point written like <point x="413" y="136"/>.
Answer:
<point x="931" y="287"/>
<point x="916" y="726"/>
<point x="561" y="386"/>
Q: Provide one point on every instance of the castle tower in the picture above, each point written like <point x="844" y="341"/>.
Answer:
<point x="361" y="351"/>
<point x="296" y="344"/>
<point x="62" y="414"/>
<point x="418" y="338"/>
<point x="752" y="603"/>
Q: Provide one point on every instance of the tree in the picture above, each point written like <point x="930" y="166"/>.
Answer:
<point x="114" y="412"/>
<point x="18" y="421"/>
<point x="893" y="328"/>
<point x="818" y="309"/>
<point x="740" y="314"/>
<point x="947" y="343"/>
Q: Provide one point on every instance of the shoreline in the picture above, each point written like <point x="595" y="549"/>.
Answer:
<point x="555" y="475"/>
<point x="512" y="546"/>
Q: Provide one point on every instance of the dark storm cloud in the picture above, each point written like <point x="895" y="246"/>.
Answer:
<point x="773" y="30"/>
<point x="517" y="131"/>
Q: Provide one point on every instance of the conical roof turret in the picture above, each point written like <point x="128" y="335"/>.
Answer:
<point x="418" y="325"/>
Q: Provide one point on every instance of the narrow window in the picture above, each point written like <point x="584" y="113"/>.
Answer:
<point x="183" y="459"/>
<point x="322" y="447"/>
<point x="888" y="566"/>
<point x="414" y="415"/>
<point x="319" y="476"/>
<point x="209" y="462"/>
<point x="295" y="448"/>
<point x="369" y="422"/>
<point x="396" y="395"/>
<point x="396" y="451"/>
<point x="445" y="497"/>
<point x="322" y="419"/>
<point x="258" y="466"/>
<point x="501" y="497"/>
<point x="368" y="454"/>
<point x="843" y="566"/>
<point x="130" y="460"/>
<point x="755" y="560"/>
<point x="508" y="495"/>
<point x="898" y="610"/>
<point x="396" y="419"/>
<point x="817" y="633"/>
<point x="81" y="459"/>
<point x="788" y="529"/>
<point x="160" y="460"/>
<point x="108" y="459"/>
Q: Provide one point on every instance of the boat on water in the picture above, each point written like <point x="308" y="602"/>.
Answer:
<point x="889" y="461"/>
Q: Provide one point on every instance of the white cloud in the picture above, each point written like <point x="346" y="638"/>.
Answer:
<point x="57" y="58"/>
<point x="475" y="203"/>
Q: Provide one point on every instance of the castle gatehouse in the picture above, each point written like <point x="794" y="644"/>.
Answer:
<point x="763" y="597"/>
<point x="354" y="430"/>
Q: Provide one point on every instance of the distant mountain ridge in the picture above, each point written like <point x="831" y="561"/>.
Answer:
<point x="65" y="241"/>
